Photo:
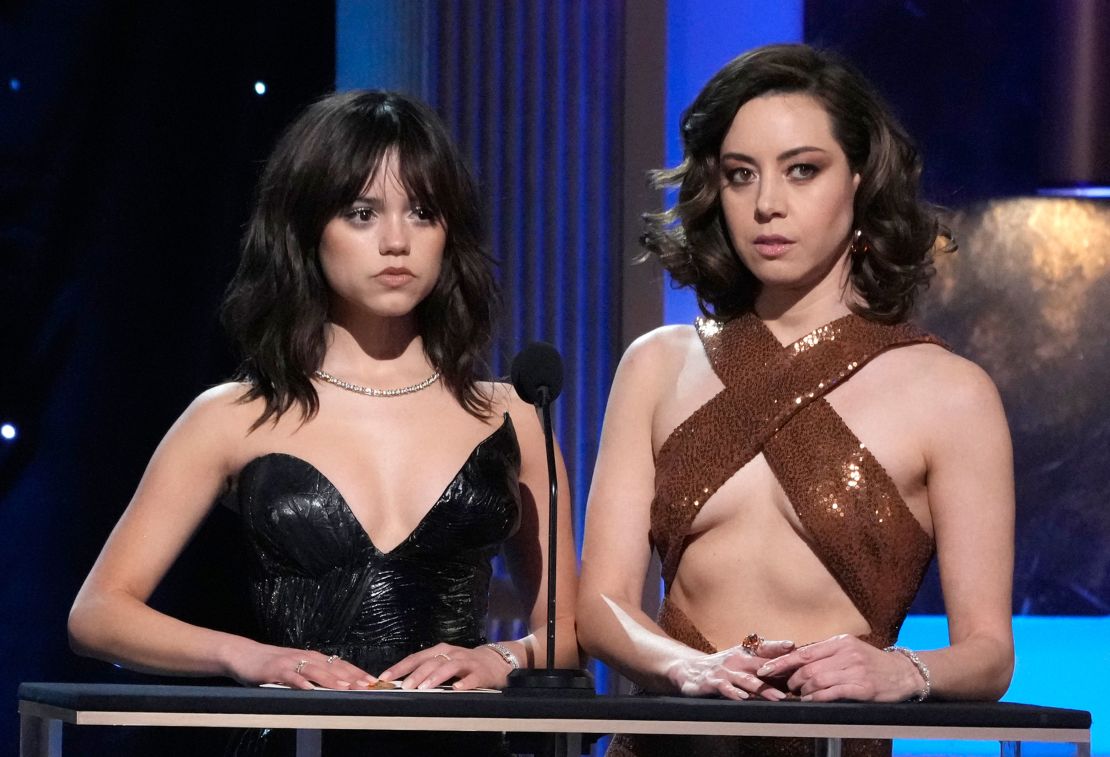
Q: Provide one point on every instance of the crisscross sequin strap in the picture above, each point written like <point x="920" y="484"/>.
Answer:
<point x="857" y="522"/>
<point x="769" y="388"/>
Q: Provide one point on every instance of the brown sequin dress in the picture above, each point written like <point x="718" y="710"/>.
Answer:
<point x="774" y="402"/>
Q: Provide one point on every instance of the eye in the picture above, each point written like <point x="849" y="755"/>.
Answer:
<point x="739" y="175"/>
<point x="360" y="214"/>
<point x="802" y="171"/>
<point x="424" y="213"/>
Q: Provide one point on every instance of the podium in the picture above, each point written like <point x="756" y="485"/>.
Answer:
<point x="44" y="707"/>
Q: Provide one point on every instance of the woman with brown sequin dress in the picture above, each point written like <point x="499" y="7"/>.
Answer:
<point x="799" y="455"/>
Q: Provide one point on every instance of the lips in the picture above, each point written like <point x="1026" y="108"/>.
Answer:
<point x="772" y="245"/>
<point x="394" y="276"/>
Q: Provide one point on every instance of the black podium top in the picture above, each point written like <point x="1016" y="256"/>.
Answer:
<point x="240" y="700"/>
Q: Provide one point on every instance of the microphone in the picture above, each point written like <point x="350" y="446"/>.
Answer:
<point x="537" y="376"/>
<point x="537" y="373"/>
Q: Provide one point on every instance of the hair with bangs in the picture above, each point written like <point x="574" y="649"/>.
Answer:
<point x="276" y="305"/>
<point x="893" y="260"/>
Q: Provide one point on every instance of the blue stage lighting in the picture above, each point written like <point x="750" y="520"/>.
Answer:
<point x="260" y="87"/>
<point x="8" y="432"/>
<point x="1088" y="192"/>
<point x="14" y="84"/>
<point x="1039" y="676"/>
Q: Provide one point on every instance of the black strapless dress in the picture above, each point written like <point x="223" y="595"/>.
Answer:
<point x="317" y="581"/>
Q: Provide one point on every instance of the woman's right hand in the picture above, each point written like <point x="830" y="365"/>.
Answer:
<point x="296" y="668"/>
<point x="730" y="673"/>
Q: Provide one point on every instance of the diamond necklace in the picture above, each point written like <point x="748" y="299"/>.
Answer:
<point x="370" y="391"/>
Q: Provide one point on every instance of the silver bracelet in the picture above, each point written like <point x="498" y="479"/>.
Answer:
<point x="506" y="654"/>
<point x="922" y="668"/>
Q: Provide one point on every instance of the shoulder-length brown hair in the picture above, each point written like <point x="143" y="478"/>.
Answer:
<point x="276" y="305"/>
<point x="892" y="260"/>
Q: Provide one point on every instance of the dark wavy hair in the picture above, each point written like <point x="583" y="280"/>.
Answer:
<point x="893" y="258"/>
<point x="277" y="304"/>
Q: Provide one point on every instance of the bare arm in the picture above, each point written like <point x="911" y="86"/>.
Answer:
<point x="110" y="618"/>
<point x="527" y="552"/>
<point x="971" y="498"/>
<point x="616" y="550"/>
<point x="615" y="555"/>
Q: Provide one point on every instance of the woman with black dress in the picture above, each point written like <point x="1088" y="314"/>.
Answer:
<point x="375" y="473"/>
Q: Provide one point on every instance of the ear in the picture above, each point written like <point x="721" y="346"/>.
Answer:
<point x="855" y="182"/>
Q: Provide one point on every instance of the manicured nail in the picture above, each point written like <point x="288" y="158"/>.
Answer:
<point x="345" y="684"/>
<point x="424" y="685"/>
<point x="767" y="669"/>
<point x="807" y="697"/>
<point x="743" y="694"/>
<point x="386" y="676"/>
<point x="788" y="644"/>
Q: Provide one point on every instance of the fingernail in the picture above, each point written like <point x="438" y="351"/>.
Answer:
<point x="807" y="697"/>
<point x="386" y="676"/>
<point x="777" y="695"/>
<point x="423" y="685"/>
<point x="788" y="644"/>
<point x="343" y="683"/>
<point x="767" y="669"/>
<point x="743" y="694"/>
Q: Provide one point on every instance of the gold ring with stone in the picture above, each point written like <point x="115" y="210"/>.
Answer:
<point x="751" y="644"/>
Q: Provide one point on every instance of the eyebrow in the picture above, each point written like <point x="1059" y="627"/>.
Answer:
<point x="782" y="156"/>
<point x="368" y="200"/>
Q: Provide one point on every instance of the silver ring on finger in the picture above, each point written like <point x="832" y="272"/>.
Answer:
<point x="446" y="657"/>
<point x="300" y="666"/>
<point x="333" y="658"/>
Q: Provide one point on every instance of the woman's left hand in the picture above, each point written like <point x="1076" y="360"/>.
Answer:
<point x="844" y="667"/>
<point x="474" y="668"/>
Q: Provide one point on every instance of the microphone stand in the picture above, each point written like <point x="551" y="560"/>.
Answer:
<point x="552" y="524"/>
<point x="541" y="681"/>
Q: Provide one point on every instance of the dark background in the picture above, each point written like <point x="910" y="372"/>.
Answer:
<point x="128" y="157"/>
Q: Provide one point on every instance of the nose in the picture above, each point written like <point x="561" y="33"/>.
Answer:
<point x="769" y="202"/>
<point x="393" y="238"/>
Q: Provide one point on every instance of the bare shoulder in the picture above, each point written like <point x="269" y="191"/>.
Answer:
<point x="224" y="405"/>
<point x="504" y="400"/>
<point x="659" y="355"/>
<point x="220" y="418"/>
<point x="221" y="398"/>
<point x="949" y="393"/>
<point x="205" y="444"/>
<point x="503" y="397"/>
<point x="940" y="374"/>
<point x="674" y="341"/>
